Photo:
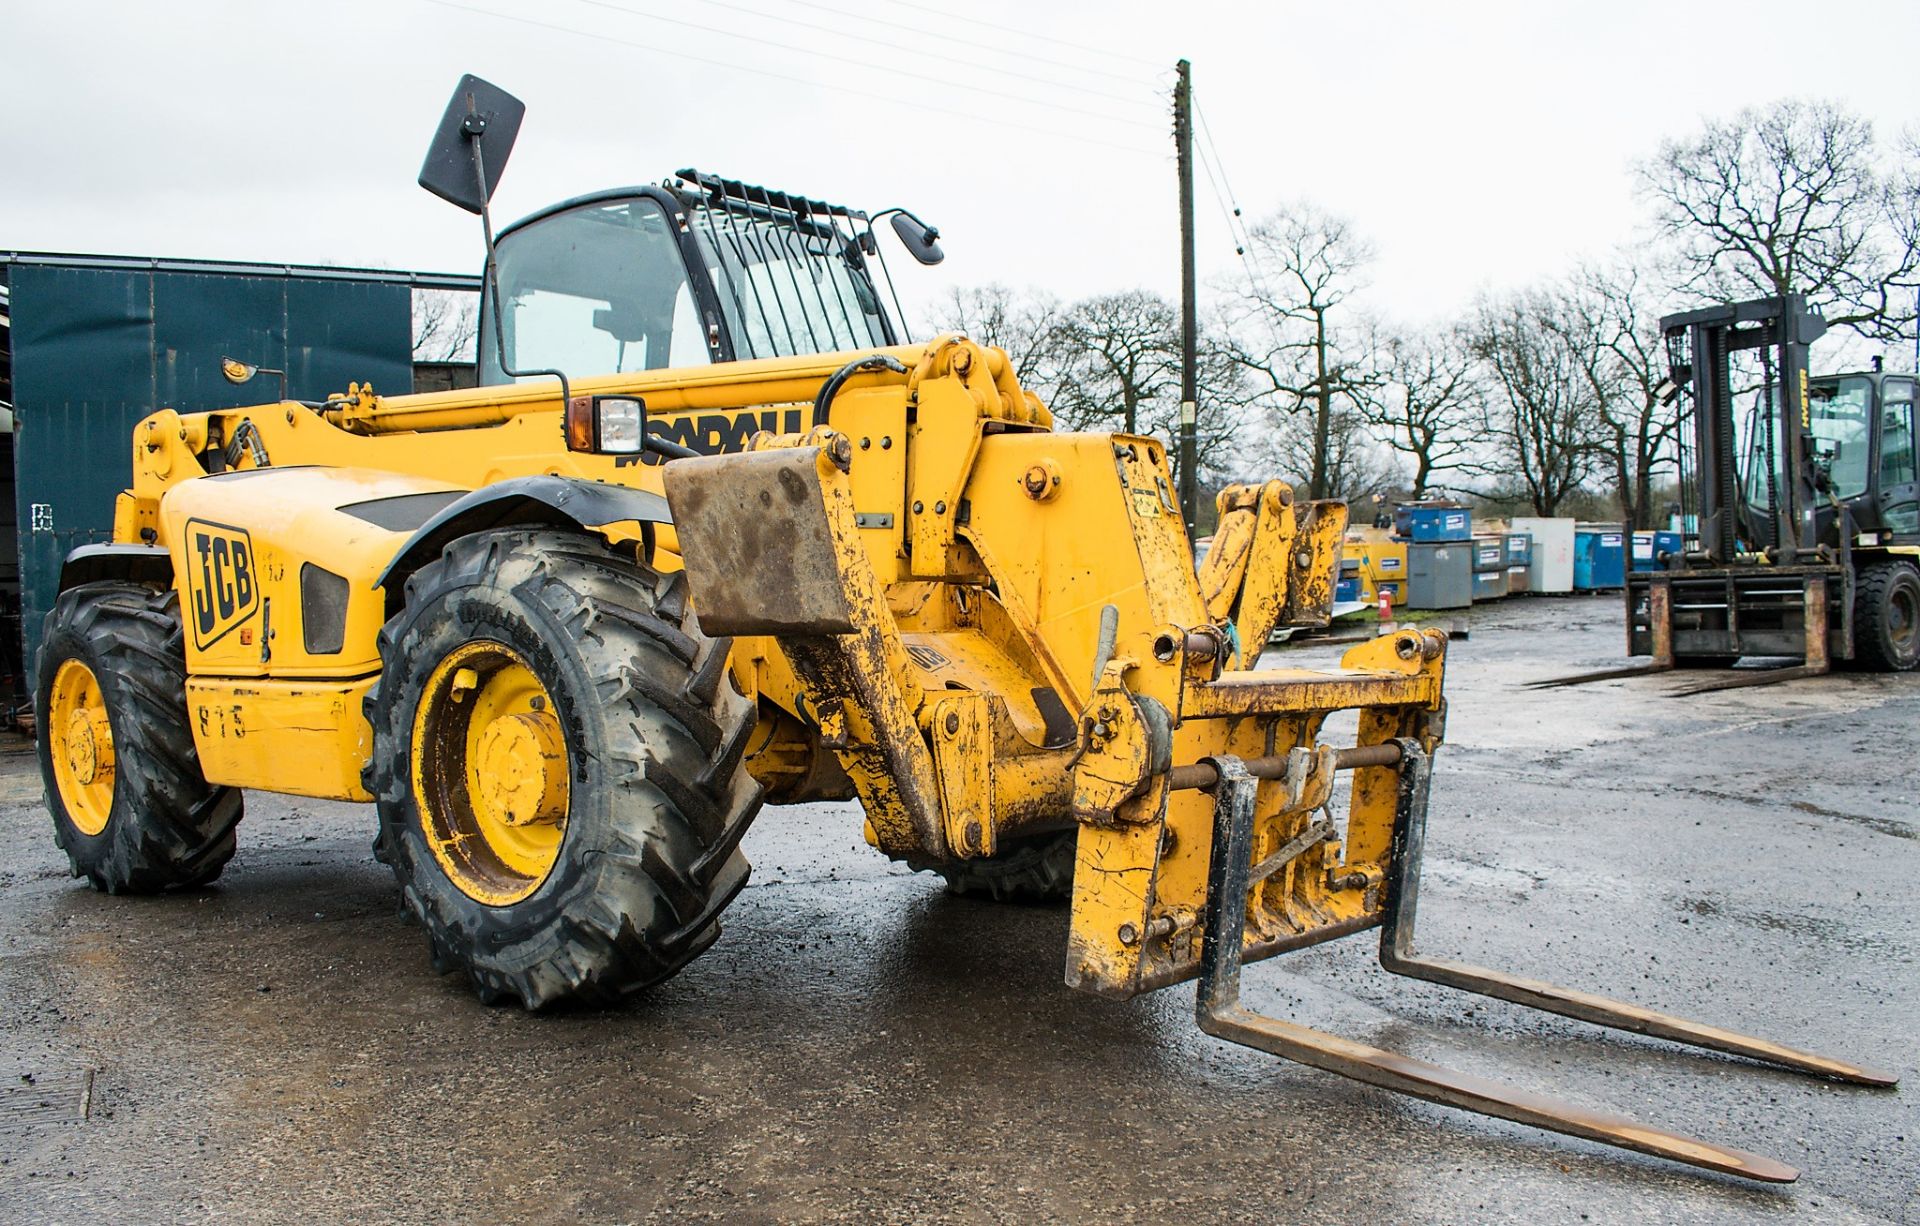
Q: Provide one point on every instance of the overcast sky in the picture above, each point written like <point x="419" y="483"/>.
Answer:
<point x="1478" y="144"/>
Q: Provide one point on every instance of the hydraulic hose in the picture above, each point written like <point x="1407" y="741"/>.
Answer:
<point x="831" y="388"/>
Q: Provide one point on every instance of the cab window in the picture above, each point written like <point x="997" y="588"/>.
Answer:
<point x="595" y="290"/>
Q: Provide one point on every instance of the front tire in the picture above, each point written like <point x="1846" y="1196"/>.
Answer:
<point x="130" y="806"/>
<point x="557" y="767"/>
<point x="1886" y="617"/>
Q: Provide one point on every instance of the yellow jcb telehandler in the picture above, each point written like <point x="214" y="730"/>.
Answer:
<point x="568" y="632"/>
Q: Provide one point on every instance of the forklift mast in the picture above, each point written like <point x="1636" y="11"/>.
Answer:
<point x="1700" y="348"/>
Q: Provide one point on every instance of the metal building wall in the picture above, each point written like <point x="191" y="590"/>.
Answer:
<point x="98" y="346"/>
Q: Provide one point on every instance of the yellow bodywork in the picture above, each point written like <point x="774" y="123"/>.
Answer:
<point x="983" y="629"/>
<point x="1379" y="562"/>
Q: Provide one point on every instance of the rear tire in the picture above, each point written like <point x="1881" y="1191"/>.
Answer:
<point x="1034" y="870"/>
<point x="130" y="806"/>
<point x="653" y="799"/>
<point x="1886" y="617"/>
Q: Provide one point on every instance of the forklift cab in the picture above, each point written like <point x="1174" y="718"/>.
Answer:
<point x="1859" y="438"/>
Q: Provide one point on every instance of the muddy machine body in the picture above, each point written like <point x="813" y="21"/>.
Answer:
<point x="569" y="631"/>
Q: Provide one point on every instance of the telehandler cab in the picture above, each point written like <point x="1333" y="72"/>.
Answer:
<point x="567" y="632"/>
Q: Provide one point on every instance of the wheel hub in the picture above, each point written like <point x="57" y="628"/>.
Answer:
<point x="523" y="769"/>
<point x="82" y="746"/>
<point x="83" y="754"/>
<point x="490" y="771"/>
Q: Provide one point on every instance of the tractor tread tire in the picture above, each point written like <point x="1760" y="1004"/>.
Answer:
<point x="1874" y="594"/>
<point x="660" y="799"/>
<point x="168" y="826"/>
<point x="1037" y="870"/>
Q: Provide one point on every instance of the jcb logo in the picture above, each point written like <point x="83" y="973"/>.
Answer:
<point x="221" y="579"/>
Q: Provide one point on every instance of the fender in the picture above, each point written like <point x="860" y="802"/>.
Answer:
<point x="132" y="563"/>
<point x="568" y="502"/>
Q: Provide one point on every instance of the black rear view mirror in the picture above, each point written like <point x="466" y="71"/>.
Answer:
<point x="470" y="147"/>
<point x="922" y="240"/>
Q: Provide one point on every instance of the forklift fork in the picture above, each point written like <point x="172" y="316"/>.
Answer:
<point x="1220" y="1013"/>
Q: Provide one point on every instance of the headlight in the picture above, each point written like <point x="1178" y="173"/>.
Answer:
<point x="607" y="425"/>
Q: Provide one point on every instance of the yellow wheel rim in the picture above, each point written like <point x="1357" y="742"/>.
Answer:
<point x="82" y="746"/>
<point x="490" y="770"/>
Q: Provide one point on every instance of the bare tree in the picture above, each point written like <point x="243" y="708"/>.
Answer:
<point x="1307" y="264"/>
<point x="1356" y="466"/>
<point x="1426" y="401"/>
<point x="1117" y="354"/>
<point x="1543" y="421"/>
<point x="1111" y="362"/>
<point x="1615" y="343"/>
<point x="1794" y="197"/>
<point x="445" y="323"/>
<point x="1023" y="323"/>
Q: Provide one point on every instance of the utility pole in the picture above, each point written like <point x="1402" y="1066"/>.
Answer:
<point x="1189" y="311"/>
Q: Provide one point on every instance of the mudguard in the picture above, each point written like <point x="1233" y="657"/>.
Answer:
<point x="545" y="499"/>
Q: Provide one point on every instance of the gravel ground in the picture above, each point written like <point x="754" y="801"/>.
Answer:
<point x="860" y="1046"/>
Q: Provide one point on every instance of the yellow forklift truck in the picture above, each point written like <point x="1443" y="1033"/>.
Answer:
<point x="568" y="631"/>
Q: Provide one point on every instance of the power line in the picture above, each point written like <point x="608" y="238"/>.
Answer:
<point x="946" y="37"/>
<point x="890" y="99"/>
<point x="1230" y="204"/>
<point x="839" y="33"/>
<point x="1237" y="231"/>
<point x="1206" y="134"/>
<point x="1219" y="198"/>
<point x="917" y="77"/>
<point x="949" y="15"/>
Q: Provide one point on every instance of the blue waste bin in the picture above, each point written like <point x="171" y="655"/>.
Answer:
<point x="1650" y="547"/>
<point x="1419" y="522"/>
<point x="1599" y="559"/>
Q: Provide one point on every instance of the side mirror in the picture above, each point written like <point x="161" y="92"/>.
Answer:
<point x="236" y="372"/>
<point x="470" y="147"/>
<point x="922" y="240"/>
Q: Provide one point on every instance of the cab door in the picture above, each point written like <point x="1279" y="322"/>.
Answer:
<point x="1899" y="480"/>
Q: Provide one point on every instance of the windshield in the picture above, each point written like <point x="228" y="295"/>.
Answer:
<point x="599" y="289"/>
<point x="792" y="274"/>
<point x="1839" y="413"/>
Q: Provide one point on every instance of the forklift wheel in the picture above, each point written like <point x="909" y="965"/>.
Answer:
<point x="130" y="807"/>
<point x="557" y="767"/>
<point x="1886" y="617"/>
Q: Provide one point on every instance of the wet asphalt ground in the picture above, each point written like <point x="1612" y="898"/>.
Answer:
<point x="859" y="1046"/>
